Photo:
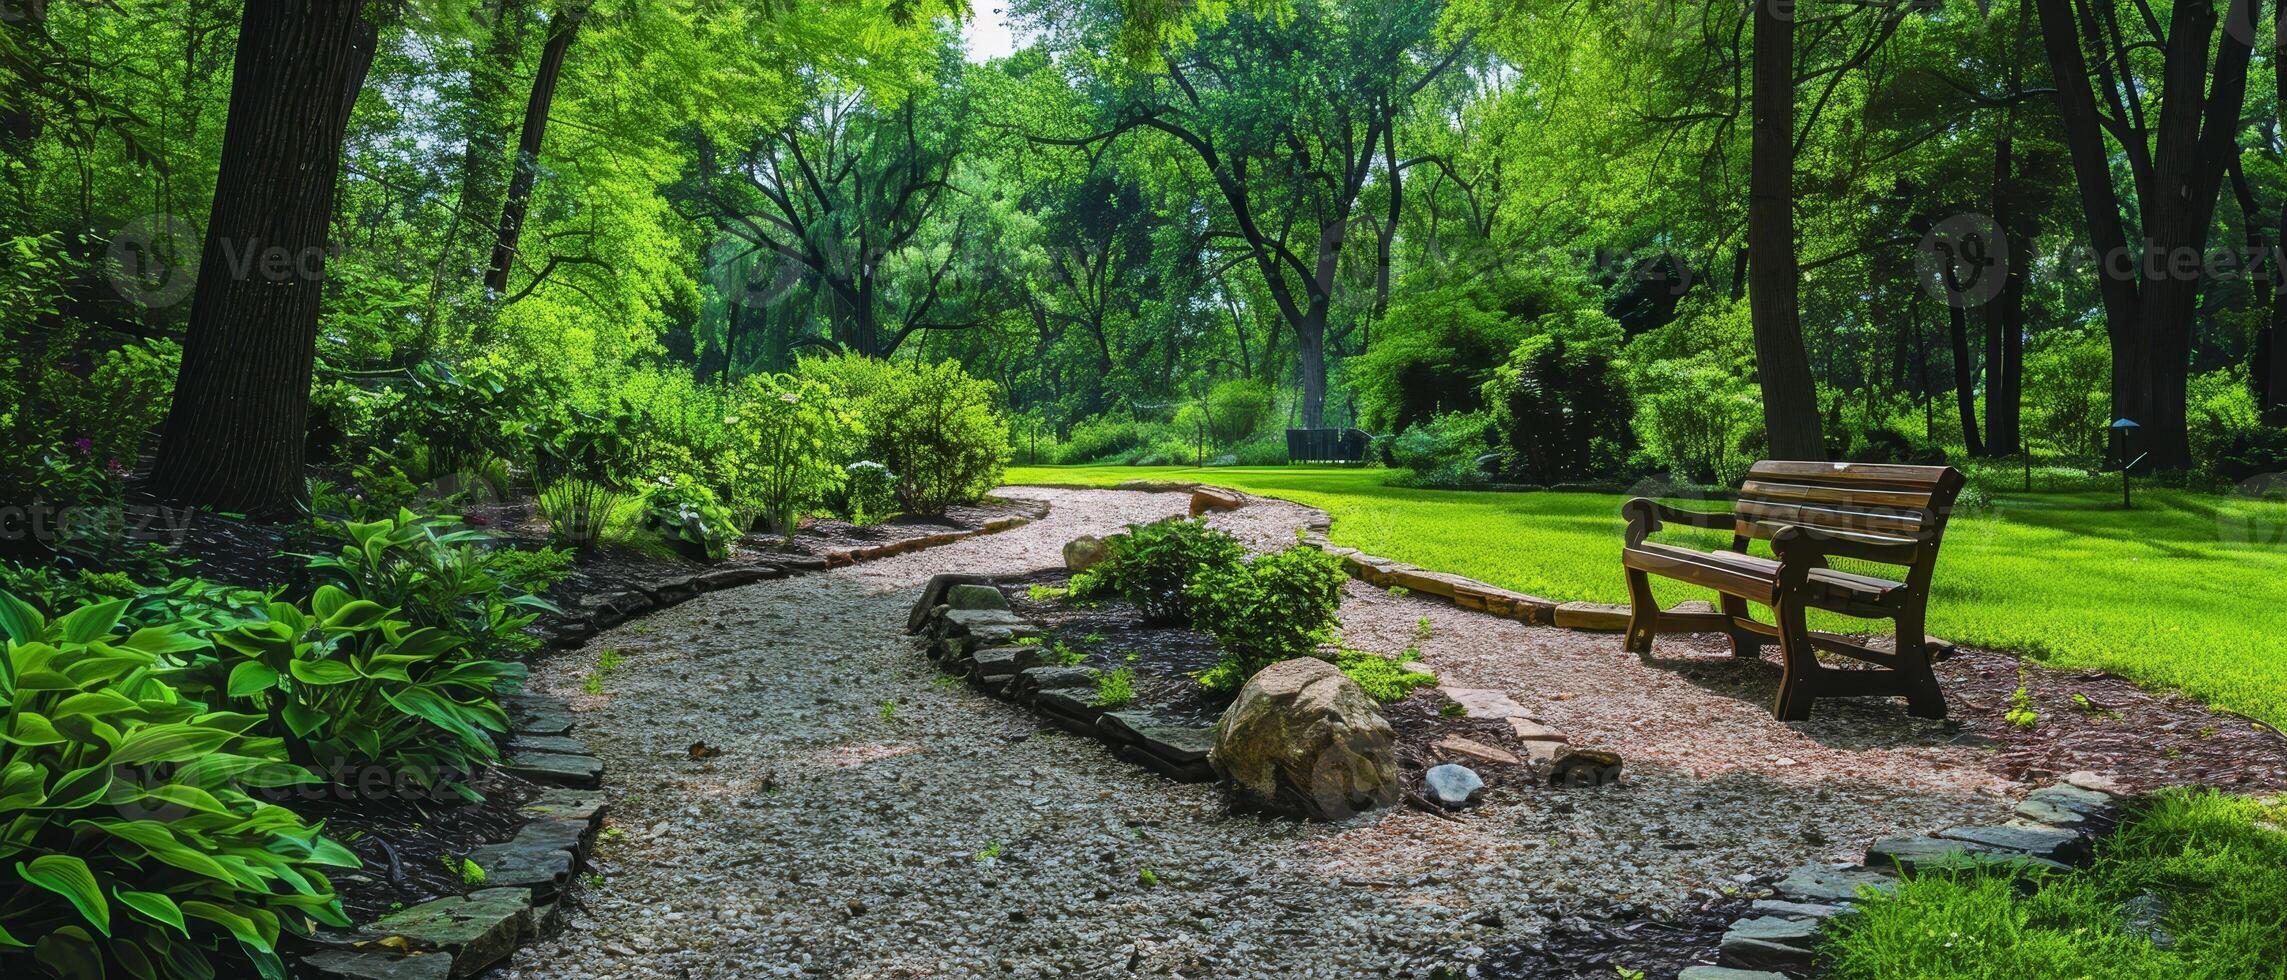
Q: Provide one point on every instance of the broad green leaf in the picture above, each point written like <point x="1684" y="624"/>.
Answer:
<point x="90" y="623"/>
<point x="155" y="905"/>
<point x="322" y="672"/>
<point x="250" y="678"/>
<point x="69" y="876"/>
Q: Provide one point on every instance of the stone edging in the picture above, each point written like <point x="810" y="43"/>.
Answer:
<point x="964" y="624"/>
<point x="2055" y="829"/>
<point x="527" y="876"/>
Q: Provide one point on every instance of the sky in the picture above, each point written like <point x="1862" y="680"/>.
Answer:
<point x="987" y="33"/>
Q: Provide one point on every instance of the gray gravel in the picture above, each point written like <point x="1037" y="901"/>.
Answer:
<point x="865" y="819"/>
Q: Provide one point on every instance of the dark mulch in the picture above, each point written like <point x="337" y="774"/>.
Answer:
<point x="406" y="843"/>
<point x="2085" y="719"/>
<point x="1600" y="942"/>
<point x="1166" y="659"/>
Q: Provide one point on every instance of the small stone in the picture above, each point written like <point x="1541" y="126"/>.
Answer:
<point x="857" y="907"/>
<point x="478" y="931"/>
<point x="1533" y="731"/>
<point x="1484" y="702"/>
<point x="2095" y="783"/>
<point x="1915" y="854"/>
<point x="576" y="771"/>
<point x="1727" y="973"/>
<point x="1759" y="954"/>
<point x="2143" y="916"/>
<point x="1452" y="786"/>
<point x="1799" y="933"/>
<point x="1821" y="884"/>
<point x="1795" y="910"/>
<point x="360" y="965"/>
<point x="1455" y="745"/>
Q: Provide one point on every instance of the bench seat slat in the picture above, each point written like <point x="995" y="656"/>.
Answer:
<point x="1756" y="578"/>
<point x="1849" y="496"/>
<point x="1893" y="524"/>
<point x="1878" y="476"/>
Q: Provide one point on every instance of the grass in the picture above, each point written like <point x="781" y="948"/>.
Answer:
<point x="2211" y="859"/>
<point x="2181" y="593"/>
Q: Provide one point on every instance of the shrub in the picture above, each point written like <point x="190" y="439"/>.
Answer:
<point x="2068" y="394"/>
<point x="1266" y="451"/>
<point x="136" y="847"/>
<point x="1231" y="412"/>
<point x="457" y="416"/>
<point x="1696" y="416"/>
<point x="1116" y="689"/>
<point x="352" y="687"/>
<point x="582" y="463"/>
<point x="1560" y="405"/>
<point x="1109" y="438"/>
<point x="689" y="517"/>
<point x="1441" y="453"/>
<point x="869" y="492"/>
<point x="794" y="435"/>
<point x="1275" y="607"/>
<point x="935" y="427"/>
<point x="453" y="580"/>
<point x="1440" y="342"/>
<point x="2221" y="413"/>
<point x="1152" y="565"/>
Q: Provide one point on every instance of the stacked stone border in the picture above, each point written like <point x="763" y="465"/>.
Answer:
<point x="2055" y="829"/>
<point x="527" y="877"/>
<point x="964" y="624"/>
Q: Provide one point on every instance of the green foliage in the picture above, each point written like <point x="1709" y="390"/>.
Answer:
<point x="1273" y="607"/>
<point x="1560" y="403"/>
<point x="687" y="515"/>
<point x="1153" y="565"/>
<point x="1441" y="341"/>
<point x="1384" y="679"/>
<point x="1116" y="688"/>
<point x="583" y="464"/>
<point x="936" y="428"/>
<point x="2068" y="395"/>
<point x="2221" y="412"/>
<point x="479" y="593"/>
<point x="459" y="417"/>
<point x="1699" y="417"/>
<point x="1441" y="453"/>
<point x="869" y="492"/>
<point x="356" y="691"/>
<point x="795" y="433"/>
<point x="2209" y="859"/>
<point x="136" y="847"/>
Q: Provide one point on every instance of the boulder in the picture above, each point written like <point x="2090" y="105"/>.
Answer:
<point x="1452" y="786"/>
<point x="1207" y="499"/>
<point x="967" y="595"/>
<point x="933" y="595"/>
<point x="1303" y="739"/>
<point x="1085" y="552"/>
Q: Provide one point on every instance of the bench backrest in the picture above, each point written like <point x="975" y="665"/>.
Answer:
<point x="1878" y="503"/>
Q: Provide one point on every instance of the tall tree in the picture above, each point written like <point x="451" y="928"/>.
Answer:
<point x="2275" y="386"/>
<point x="562" y="28"/>
<point x="1288" y="117"/>
<point x="234" y="436"/>
<point x="1790" y="400"/>
<point x="2149" y="259"/>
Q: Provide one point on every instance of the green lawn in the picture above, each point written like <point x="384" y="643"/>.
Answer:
<point x="2188" y="591"/>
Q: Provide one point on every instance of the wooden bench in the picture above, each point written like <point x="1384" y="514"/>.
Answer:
<point x="1809" y="512"/>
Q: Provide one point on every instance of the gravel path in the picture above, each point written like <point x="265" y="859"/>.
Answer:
<point x="865" y="819"/>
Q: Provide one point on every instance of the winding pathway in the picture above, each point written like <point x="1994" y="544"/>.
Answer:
<point x="866" y="819"/>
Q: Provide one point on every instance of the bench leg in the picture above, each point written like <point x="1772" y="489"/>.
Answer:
<point x="1923" y="697"/>
<point x="1745" y="644"/>
<point x="1798" y="663"/>
<point x="1643" y="613"/>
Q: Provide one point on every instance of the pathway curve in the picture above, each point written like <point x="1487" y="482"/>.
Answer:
<point x="866" y="819"/>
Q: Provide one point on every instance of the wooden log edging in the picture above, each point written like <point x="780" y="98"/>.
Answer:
<point x="2054" y="829"/>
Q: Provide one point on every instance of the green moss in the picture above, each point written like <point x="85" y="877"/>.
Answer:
<point x="1384" y="679"/>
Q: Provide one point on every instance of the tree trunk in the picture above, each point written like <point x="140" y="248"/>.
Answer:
<point x="1310" y="363"/>
<point x="1964" y="380"/>
<point x="234" y="436"/>
<point x="2005" y="314"/>
<point x="2275" y="403"/>
<point x="561" y="29"/>
<point x="1790" y="401"/>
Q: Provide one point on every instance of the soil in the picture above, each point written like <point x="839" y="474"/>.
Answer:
<point x="412" y="849"/>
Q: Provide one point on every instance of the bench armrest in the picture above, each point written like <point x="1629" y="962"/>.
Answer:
<point x="1646" y="516"/>
<point x="1811" y="547"/>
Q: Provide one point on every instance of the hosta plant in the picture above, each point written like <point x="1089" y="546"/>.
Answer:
<point x="129" y="845"/>
<point x="360" y="696"/>
<point x="453" y="580"/>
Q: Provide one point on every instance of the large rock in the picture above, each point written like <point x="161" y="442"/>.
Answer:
<point x="1204" y="499"/>
<point x="1085" y="552"/>
<point x="933" y="595"/>
<point x="967" y="596"/>
<point x="1303" y="739"/>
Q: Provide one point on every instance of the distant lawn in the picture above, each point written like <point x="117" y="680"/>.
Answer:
<point x="2188" y="591"/>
